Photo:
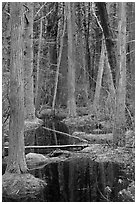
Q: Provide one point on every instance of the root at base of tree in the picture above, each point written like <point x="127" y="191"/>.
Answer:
<point x="21" y="187"/>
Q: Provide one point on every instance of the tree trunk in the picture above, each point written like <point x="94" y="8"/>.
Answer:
<point x="16" y="158"/>
<point x="104" y="21"/>
<point x="62" y="91"/>
<point x="42" y="69"/>
<point x="119" y="123"/>
<point x="86" y="24"/>
<point x="109" y="76"/>
<point x="58" y="66"/>
<point x="71" y="58"/>
<point x="81" y="75"/>
<point x="52" y="29"/>
<point x="28" y="63"/>
<point x="99" y="77"/>
<point x="39" y="73"/>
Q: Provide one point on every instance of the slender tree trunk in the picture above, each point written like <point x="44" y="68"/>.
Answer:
<point x="52" y="38"/>
<point x="42" y="66"/>
<point x="112" y="92"/>
<point x="62" y="89"/>
<point x="109" y="77"/>
<point x="110" y="46"/>
<point x="71" y="58"/>
<point x="28" y="63"/>
<point x="99" y="77"/>
<point x="81" y="75"/>
<point x="16" y="158"/>
<point x="87" y="53"/>
<point x="39" y="73"/>
<point x="119" y="123"/>
<point x="58" y="66"/>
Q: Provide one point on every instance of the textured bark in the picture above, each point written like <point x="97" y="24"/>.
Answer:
<point x="28" y="63"/>
<point x="119" y="123"/>
<point x="71" y="58"/>
<point x="16" y="159"/>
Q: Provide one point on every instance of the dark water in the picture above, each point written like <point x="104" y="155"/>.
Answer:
<point x="80" y="179"/>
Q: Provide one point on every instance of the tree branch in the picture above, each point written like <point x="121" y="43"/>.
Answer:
<point x="65" y="134"/>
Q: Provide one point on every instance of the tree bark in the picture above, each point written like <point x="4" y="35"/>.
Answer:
<point x="119" y="122"/>
<point x="16" y="158"/>
<point x="71" y="59"/>
<point x="28" y="63"/>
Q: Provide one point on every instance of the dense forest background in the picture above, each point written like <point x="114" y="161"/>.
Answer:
<point x="73" y="60"/>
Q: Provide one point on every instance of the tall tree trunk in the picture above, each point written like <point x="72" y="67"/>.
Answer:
<point x="81" y="75"/>
<point x="28" y="63"/>
<point x="71" y="58"/>
<point x="42" y="67"/>
<point x="104" y="21"/>
<point x="87" y="54"/>
<point x="52" y="31"/>
<point x="16" y="159"/>
<point x="99" y="77"/>
<point x="40" y="74"/>
<point x="119" y="122"/>
<point x="111" y="98"/>
<point x="62" y="89"/>
<point x="109" y="76"/>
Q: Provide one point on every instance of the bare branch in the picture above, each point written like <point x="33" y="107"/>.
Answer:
<point x="39" y="9"/>
<point x="94" y="13"/>
<point x="66" y="134"/>
<point x="43" y="16"/>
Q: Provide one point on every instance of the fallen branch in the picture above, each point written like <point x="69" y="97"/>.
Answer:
<point x="66" y="134"/>
<point x="48" y="147"/>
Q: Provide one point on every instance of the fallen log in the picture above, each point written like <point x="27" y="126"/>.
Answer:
<point x="45" y="149"/>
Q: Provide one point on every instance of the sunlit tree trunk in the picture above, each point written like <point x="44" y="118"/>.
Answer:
<point x="16" y="158"/>
<point x="71" y="58"/>
<point x="29" y="112"/>
<point x="119" y="122"/>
